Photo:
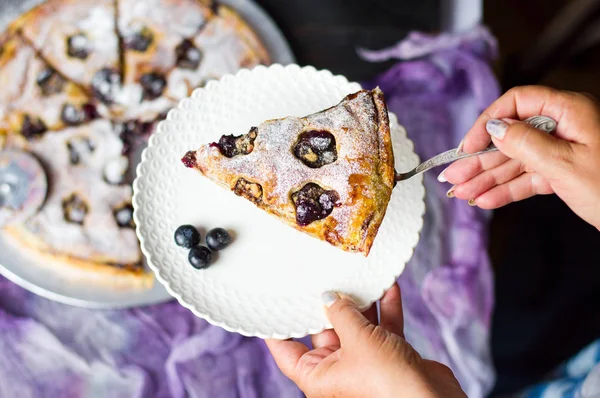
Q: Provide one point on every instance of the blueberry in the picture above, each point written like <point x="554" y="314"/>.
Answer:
<point x="188" y="55"/>
<point x="153" y="85"/>
<point x="32" y="127"/>
<point x="140" y="41"/>
<point x="124" y="216"/>
<point x="73" y="115"/>
<point x="187" y="236"/>
<point x="73" y="153"/>
<point x="313" y="203"/>
<point x="217" y="239"/>
<point x="106" y="84"/>
<point x="74" y="209"/>
<point x="78" y="46"/>
<point x="230" y="145"/>
<point x="90" y="112"/>
<point x="200" y="257"/>
<point x="316" y="148"/>
<point x="50" y="82"/>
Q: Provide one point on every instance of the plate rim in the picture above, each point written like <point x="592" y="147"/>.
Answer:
<point x="278" y="48"/>
<point x="241" y="330"/>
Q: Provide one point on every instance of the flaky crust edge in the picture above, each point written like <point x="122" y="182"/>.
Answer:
<point x="385" y="170"/>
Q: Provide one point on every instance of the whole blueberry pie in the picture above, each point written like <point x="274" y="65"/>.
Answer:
<point x="84" y="84"/>
<point x="329" y="174"/>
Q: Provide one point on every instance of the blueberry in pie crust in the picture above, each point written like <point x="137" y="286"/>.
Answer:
<point x="329" y="174"/>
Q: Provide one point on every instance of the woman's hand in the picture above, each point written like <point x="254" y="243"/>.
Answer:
<point x="531" y="162"/>
<point x="360" y="359"/>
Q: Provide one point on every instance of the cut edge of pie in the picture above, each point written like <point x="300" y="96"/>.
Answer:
<point x="347" y="196"/>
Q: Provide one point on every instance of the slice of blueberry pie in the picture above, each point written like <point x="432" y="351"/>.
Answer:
<point x="152" y="31"/>
<point x="79" y="39"/>
<point x="329" y="174"/>
<point x="35" y="97"/>
<point x="87" y="218"/>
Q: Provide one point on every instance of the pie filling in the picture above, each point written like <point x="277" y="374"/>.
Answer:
<point x="50" y="82"/>
<point x="188" y="55"/>
<point x="140" y="41"/>
<point x="32" y="127"/>
<point x="75" y="209"/>
<point x="124" y="216"/>
<point x="153" y="84"/>
<point x="314" y="203"/>
<point x="316" y="148"/>
<point x="78" y="46"/>
<point x="230" y="145"/>
<point x="73" y="115"/>
<point x="249" y="190"/>
<point x="106" y="83"/>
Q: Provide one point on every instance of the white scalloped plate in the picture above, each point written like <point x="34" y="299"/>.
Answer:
<point x="268" y="282"/>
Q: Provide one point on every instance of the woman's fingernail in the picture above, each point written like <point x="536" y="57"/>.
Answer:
<point x="329" y="298"/>
<point x="450" y="192"/>
<point x="472" y="203"/>
<point x="442" y="177"/>
<point x="496" y="128"/>
<point x="460" y="146"/>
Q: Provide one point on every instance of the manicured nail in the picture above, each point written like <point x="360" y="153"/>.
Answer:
<point x="442" y="177"/>
<point x="329" y="298"/>
<point x="460" y="146"/>
<point x="471" y="202"/>
<point x="496" y="128"/>
<point x="450" y="192"/>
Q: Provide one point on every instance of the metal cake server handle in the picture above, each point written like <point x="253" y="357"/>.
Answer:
<point x="543" y="123"/>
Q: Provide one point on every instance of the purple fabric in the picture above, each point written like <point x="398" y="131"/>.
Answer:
<point x="50" y="350"/>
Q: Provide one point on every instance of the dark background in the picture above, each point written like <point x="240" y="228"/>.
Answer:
<point x="326" y="33"/>
<point x="546" y="260"/>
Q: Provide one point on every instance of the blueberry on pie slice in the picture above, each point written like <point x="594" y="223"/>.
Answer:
<point x="329" y="174"/>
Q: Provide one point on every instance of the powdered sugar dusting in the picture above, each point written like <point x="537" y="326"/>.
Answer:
<point x="99" y="238"/>
<point x="51" y="23"/>
<point x="224" y="51"/>
<point x="274" y="165"/>
<point x="174" y="17"/>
